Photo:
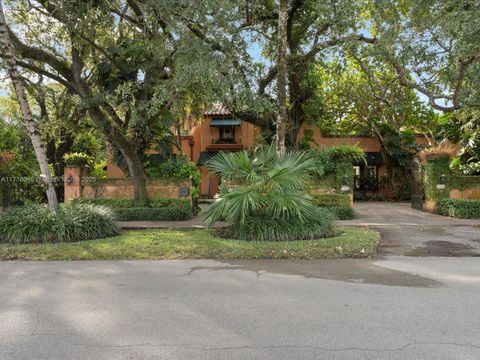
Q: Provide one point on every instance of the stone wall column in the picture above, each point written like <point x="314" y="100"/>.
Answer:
<point x="72" y="183"/>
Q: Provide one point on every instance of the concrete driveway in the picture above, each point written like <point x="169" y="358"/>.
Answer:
<point x="395" y="308"/>
<point x="410" y="232"/>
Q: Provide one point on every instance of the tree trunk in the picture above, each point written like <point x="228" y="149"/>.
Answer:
<point x="112" y="132"/>
<point x="129" y="153"/>
<point x="40" y="152"/>
<point x="282" y="77"/>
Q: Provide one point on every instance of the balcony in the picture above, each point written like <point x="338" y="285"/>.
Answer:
<point x="225" y="147"/>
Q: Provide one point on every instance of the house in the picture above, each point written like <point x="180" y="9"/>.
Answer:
<point x="369" y="175"/>
<point x="220" y="130"/>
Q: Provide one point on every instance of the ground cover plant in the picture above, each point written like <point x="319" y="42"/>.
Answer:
<point x="196" y="244"/>
<point x="264" y="197"/>
<point x="35" y="224"/>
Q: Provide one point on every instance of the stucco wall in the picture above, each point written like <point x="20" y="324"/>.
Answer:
<point x="465" y="194"/>
<point x="120" y="188"/>
<point x="368" y="144"/>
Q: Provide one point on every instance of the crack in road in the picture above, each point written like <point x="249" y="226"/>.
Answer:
<point x="205" y="348"/>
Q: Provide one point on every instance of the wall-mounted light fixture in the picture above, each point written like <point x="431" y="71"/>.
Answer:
<point x="442" y="181"/>
<point x="69" y="180"/>
<point x="345" y="184"/>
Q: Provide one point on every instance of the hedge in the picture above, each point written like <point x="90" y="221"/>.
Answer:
<point x="129" y="203"/>
<point x="331" y="200"/>
<point x="152" y="214"/>
<point x="462" y="208"/>
<point x="158" y="209"/>
<point x="341" y="212"/>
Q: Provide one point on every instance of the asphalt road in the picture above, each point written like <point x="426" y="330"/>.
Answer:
<point x="392" y="308"/>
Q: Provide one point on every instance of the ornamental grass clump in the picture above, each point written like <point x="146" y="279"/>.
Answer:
<point x="264" y="197"/>
<point x="35" y="224"/>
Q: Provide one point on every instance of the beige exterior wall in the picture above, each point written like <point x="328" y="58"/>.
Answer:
<point x="122" y="188"/>
<point x="368" y="144"/>
<point x="119" y="188"/>
<point x="465" y="194"/>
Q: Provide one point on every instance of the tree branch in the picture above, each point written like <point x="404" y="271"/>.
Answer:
<point x="402" y="74"/>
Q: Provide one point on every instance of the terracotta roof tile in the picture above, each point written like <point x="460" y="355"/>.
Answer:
<point x="216" y="109"/>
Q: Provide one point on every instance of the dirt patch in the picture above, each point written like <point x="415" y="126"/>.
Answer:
<point x="347" y="270"/>
<point x="444" y="248"/>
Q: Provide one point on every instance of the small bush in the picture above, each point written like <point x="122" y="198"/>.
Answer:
<point x="35" y="224"/>
<point x="462" y="208"/>
<point x="341" y="212"/>
<point x="331" y="200"/>
<point x="153" y="214"/>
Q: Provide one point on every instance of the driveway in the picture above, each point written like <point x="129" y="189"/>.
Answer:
<point x="396" y="308"/>
<point x="406" y="231"/>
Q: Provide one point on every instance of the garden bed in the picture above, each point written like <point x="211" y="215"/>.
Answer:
<point x="196" y="244"/>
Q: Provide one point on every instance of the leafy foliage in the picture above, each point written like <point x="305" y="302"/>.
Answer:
<point x="432" y="169"/>
<point x="345" y="153"/>
<point x="157" y="209"/>
<point x="264" y="197"/>
<point x="153" y="214"/>
<point x="155" y="203"/>
<point x="463" y="127"/>
<point x="462" y="208"/>
<point x="341" y="212"/>
<point x="333" y="159"/>
<point x="78" y="159"/>
<point x="87" y="142"/>
<point x="173" y="167"/>
<point x="331" y="200"/>
<point x="35" y="224"/>
<point x="337" y="204"/>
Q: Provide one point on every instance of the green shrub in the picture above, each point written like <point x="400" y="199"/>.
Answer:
<point x="341" y="212"/>
<point x="99" y="170"/>
<point x="153" y="214"/>
<point x="78" y="159"/>
<point x="269" y="201"/>
<point x="345" y="153"/>
<point x="462" y="208"/>
<point x="159" y="209"/>
<point x="129" y="203"/>
<point x="331" y="200"/>
<point x="35" y="224"/>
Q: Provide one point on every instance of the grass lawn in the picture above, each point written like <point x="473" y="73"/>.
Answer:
<point x="195" y="244"/>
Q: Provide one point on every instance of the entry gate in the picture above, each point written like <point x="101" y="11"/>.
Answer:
<point x="418" y="194"/>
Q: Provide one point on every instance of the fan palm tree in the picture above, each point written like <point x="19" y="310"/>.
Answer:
<point x="264" y="196"/>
